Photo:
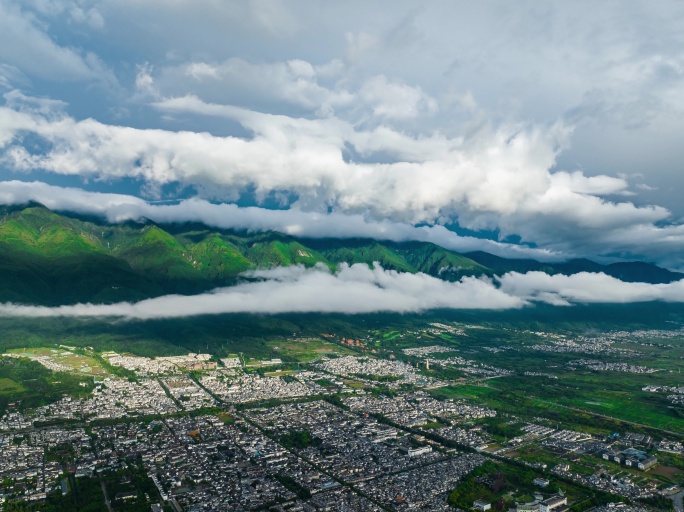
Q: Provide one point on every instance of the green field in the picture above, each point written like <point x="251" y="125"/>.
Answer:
<point x="279" y="373"/>
<point x="305" y="350"/>
<point x="8" y="386"/>
<point x="78" y="361"/>
<point x="616" y="395"/>
<point x="34" y="385"/>
<point x="465" y="391"/>
<point x="506" y="399"/>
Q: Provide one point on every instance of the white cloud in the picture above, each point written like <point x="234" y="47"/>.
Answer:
<point x="359" y="44"/>
<point x="495" y="179"/>
<point x="144" y="82"/>
<point x="201" y="70"/>
<point x="319" y="89"/>
<point x="359" y="289"/>
<point x="615" y="74"/>
<point x="293" y="82"/>
<point x="586" y="288"/>
<point x="306" y="157"/>
<point x="118" y="208"/>
<point x="395" y="100"/>
<point x="76" y="11"/>
<point x="355" y="289"/>
<point x="25" y="45"/>
<point x="16" y="100"/>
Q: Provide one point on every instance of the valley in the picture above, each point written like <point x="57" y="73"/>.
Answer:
<point x="50" y="258"/>
<point x="436" y="392"/>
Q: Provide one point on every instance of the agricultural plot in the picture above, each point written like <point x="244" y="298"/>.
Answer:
<point x="630" y="406"/>
<point x="551" y="379"/>
<point x="305" y="350"/>
<point x="59" y="359"/>
<point x="456" y="392"/>
<point x="612" y="395"/>
<point x="8" y="386"/>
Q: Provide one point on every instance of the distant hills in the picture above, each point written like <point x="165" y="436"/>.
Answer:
<point x="51" y="258"/>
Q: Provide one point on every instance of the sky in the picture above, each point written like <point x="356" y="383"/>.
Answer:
<point x="528" y="129"/>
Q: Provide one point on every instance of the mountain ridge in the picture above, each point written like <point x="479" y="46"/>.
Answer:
<point x="51" y="258"/>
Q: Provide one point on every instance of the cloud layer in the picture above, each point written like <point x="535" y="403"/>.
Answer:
<point x="556" y="124"/>
<point x="117" y="208"/>
<point x="585" y="288"/>
<point x="353" y="289"/>
<point x="659" y="243"/>
<point x="359" y="289"/>
<point x="498" y="180"/>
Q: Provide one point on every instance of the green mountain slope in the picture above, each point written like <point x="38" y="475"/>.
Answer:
<point x="50" y="258"/>
<point x="437" y="261"/>
<point x="215" y="257"/>
<point x="362" y="251"/>
<point x="38" y="231"/>
<point x="404" y="257"/>
<point x="158" y="254"/>
<point x="273" y="250"/>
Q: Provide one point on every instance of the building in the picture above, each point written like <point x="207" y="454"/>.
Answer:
<point x="414" y="452"/>
<point x="272" y="362"/>
<point x="482" y="505"/>
<point x="553" y="503"/>
<point x="126" y="496"/>
<point x="631" y="458"/>
<point x="541" y="482"/>
<point x="647" y="463"/>
<point x="527" y="507"/>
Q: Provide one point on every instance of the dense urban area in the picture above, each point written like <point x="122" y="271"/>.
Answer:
<point x="415" y="419"/>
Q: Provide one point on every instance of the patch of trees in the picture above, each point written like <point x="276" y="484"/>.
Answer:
<point x="299" y="439"/>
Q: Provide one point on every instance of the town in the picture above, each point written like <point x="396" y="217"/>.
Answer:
<point x="359" y="431"/>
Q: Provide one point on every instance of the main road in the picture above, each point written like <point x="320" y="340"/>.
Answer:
<point x="678" y="500"/>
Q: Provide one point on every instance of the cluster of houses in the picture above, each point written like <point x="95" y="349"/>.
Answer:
<point x="145" y="366"/>
<point x="235" y="387"/>
<point x="422" y="488"/>
<point x="358" y="368"/>
<point x="353" y="343"/>
<point x="631" y="458"/>
<point x="582" y="345"/>
<point x="594" y="364"/>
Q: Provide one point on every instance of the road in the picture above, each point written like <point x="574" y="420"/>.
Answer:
<point x="678" y="500"/>
<point x="104" y="491"/>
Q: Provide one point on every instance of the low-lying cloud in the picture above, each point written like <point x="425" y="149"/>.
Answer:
<point x="359" y="289"/>
<point x="117" y="208"/>
<point x="586" y="288"/>
<point x="353" y="289"/>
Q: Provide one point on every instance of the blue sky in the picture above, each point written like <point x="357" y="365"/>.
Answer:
<point x="557" y="125"/>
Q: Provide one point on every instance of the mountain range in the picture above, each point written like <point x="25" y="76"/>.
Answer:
<point x="52" y="258"/>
